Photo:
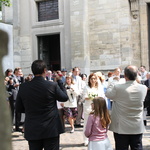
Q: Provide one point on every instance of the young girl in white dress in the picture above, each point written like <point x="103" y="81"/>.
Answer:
<point x="97" y="126"/>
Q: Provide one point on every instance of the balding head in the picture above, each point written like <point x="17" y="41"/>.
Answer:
<point x="130" y="72"/>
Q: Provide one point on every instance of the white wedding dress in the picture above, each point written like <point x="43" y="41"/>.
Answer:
<point x="87" y="105"/>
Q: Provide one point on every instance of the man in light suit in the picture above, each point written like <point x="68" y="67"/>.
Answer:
<point x="127" y="111"/>
<point x="38" y="99"/>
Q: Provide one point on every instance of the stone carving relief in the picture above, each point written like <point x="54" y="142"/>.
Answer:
<point x="134" y="8"/>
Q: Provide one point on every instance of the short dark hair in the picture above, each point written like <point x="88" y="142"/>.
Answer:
<point x="16" y="69"/>
<point x="75" y="68"/>
<point x="82" y="75"/>
<point x="131" y="72"/>
<point x="143" y="66"/>
<point x="38" y="67"/>
<point x="7" y="71"/>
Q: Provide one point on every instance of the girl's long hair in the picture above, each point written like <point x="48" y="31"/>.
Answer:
<point x="100" y="110"/>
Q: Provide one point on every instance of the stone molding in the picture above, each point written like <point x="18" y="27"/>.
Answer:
<point x="134" y="8"/>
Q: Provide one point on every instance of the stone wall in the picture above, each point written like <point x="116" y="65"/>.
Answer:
<point x="96" y="35"/>
<point x="110" y="34"/>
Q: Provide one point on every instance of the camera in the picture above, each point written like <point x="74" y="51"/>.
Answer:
<point x="68" y="87"/>
<point x="10" y="78"/>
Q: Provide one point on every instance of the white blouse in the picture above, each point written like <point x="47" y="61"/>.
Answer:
<point x="72" y="94"/>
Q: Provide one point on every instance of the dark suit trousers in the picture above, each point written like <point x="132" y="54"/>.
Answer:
<point x="148" y="110"/>
<point x="80" y="111"/>
<point x="61" y="115"/>
<point x="17" y="120"/>
<point x="123" y="141"/>
<point x="47" y="144"/>
<point x="11" y="103"/>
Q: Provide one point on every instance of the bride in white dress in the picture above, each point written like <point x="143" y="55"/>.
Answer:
<point x="93" y="89"/>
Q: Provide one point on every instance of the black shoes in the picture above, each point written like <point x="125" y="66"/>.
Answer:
<point x="18" y="130"/>
<point x="78" y="126"/>
<point x="145" y="122"/>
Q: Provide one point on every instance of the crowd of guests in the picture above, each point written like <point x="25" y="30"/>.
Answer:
<point x="13" y="79"/>
<point x="93" y="98"/>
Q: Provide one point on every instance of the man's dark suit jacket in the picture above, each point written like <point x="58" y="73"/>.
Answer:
<point x="147" y="98"/>
<point x="37" y="99"/>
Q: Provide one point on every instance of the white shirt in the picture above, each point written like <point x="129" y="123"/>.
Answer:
<point x="72" y="94"/>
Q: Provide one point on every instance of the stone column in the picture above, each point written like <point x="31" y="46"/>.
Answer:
<point x="79" y="35"/>
<point x="135" y="33"/>
<point x="16" y="32"/>
<point x="144" y="37"/>
<point x="5" y="125"/>
<point x="22" y="39"/>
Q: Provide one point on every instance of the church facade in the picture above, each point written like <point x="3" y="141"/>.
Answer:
<point x="95" y="35"/>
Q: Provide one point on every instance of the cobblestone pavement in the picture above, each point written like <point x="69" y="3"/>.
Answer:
<point x="74" y="141"/>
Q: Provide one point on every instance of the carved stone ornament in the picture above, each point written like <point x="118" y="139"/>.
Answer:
<point x="134" y="8"/>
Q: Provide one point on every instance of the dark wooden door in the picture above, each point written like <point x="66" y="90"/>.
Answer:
<point x="49" y="51"/>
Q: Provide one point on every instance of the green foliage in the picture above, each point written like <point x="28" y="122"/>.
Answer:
<point x="5" y="2"/>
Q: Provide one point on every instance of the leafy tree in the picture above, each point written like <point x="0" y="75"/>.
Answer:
<point x="5" y="2"/>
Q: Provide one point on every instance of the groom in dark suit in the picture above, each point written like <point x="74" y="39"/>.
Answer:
<point x="37" y="99"/>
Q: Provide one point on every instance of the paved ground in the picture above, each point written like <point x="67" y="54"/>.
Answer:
<point x="74" y="141"/>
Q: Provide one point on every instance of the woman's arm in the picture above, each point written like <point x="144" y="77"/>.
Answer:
<point x="89" y="124"/>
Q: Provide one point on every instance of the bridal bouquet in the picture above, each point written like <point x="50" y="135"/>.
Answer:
<point x="92" y="95"/>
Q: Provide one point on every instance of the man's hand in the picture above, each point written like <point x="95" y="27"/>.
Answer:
<point x="58" y="77"/>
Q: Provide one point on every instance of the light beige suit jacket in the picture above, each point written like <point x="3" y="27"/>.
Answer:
<point x="127" y="109"/>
